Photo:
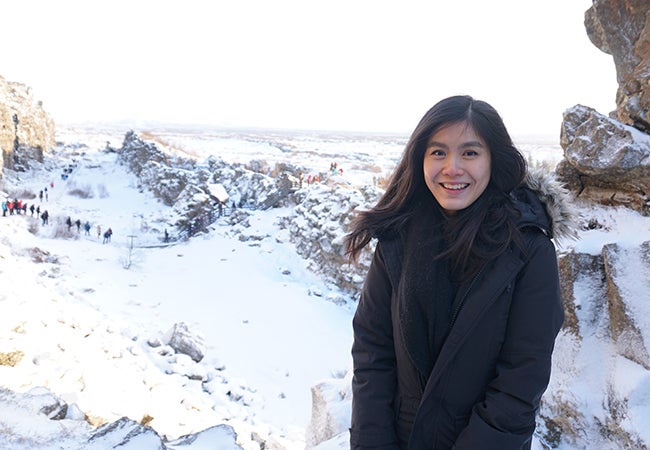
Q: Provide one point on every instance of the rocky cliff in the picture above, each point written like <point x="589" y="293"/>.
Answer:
<point x="26" y="130"/>
<point x="622" y="29"/>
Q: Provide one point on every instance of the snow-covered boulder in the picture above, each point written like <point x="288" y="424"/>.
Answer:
<point x="330" y="416"/>
<point x="184" y="341"/>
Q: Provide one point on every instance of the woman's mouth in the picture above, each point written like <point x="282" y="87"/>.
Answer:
<point x="454" y="186"/>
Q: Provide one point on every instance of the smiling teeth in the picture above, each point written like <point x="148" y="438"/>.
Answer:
<point x="454" y="186"/>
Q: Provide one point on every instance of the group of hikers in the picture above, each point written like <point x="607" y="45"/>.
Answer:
<point x="17" y="206"/>
<point x="313" y="179"/>
<point x="107" y="234"/>
<point x="20" y="207"/>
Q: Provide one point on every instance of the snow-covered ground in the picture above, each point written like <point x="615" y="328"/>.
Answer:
<point x="91" y="318"/>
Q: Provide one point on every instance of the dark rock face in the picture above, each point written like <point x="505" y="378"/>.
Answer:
<point x="26" y="130"/>
<point x="622" y="29"/>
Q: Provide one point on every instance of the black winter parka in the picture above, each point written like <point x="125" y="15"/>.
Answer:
<point x="486" y="384"/>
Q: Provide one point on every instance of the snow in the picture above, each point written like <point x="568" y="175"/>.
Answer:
<point x="91" y="318"/>
<point x="252" y="303"/>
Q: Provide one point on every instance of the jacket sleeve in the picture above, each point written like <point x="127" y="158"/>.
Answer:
<point x="505" y="419"/>
<point x="373" y="356"/>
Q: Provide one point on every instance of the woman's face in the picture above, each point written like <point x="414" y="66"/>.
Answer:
<point x="456" y="166"/>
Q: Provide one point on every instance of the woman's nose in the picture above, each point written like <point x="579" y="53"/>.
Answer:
<point x="453" y="167"/>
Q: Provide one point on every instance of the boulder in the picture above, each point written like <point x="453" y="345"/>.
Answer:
<point x="605" y="161"/>
<point x="331" y="404"/>
<point x="182" y="340"/>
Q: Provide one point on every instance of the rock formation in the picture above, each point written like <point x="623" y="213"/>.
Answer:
<point x="184" y="183"/>
<point x="622" y="29"/>
<point x="592" y="401"/>
<point x="26" y="130"/>
<point x="49" y="415"/>
<point x="606" y="161"/>
<point x="608" y="158"/>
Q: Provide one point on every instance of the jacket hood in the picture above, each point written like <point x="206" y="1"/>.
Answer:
<point x="545" y="203"/>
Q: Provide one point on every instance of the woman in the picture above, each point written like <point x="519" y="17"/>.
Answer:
<point x="458" y="315"/>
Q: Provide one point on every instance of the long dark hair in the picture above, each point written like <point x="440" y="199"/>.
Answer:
<point x="476" y="234"/>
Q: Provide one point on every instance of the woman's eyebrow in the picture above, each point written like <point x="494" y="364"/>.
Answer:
<point x="472" y="144"/>
<point x="436" y="144"/>
<point x="463" y="145"/>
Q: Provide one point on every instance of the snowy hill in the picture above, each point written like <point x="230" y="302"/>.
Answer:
<point x="93" y="332"/>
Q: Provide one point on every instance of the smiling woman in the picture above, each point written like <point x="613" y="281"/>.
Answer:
<point x="457" y="319"/>
<point x="456" y="166"/>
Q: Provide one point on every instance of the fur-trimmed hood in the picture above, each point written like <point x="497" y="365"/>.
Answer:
<point x="556" y="202"/>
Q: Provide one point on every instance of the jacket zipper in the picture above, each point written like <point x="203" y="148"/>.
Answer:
<point x="462" y="300"/>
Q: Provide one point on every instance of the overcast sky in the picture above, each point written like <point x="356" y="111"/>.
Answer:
<point x="361" y="65"/>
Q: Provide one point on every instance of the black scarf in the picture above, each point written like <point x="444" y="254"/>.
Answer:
<point x="425" y="292"/>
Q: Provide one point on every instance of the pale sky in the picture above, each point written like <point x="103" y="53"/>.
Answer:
<point x="358" y="65"/>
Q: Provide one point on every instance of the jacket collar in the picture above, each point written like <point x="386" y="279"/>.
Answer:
<point x="545" y="203"/>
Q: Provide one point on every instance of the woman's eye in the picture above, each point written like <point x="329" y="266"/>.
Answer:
<point x="471" y="153"/>
<point x="437" y="153"/>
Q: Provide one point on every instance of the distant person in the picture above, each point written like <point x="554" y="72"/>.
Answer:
<point x="31" y="209"/>
<point x="87" y="228"/>
<point x="166" y="236"/>
<point x="45" y="217"/>
<point x="457" y="319"/>
<point x="4" y="208"/>
<point x="78" y="224"/>
<point x="107" y="236"/>
<point x="68" y="222"/>
<point x="99" y="231"/>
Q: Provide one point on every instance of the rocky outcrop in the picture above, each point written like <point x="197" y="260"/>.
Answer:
<point x="602" y="348"/>
<point x="607" y="159"/>
<point x="26" y="130"/>
<point x="48" y="415"/>
<point x="184" y="183"/>
<point x="317" y="228"/>
<point x="622" y="29"/>
<point x="594" y="399"/>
